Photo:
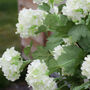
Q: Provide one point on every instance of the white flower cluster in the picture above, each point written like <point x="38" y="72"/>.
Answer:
<point x="46" y="1"/>
<point x="11" y="64"/>
<point x="66" y="41"/>
<point x="28" y="21"/>
<point x="86" y="67"/>
<point x="54" y="10"/>
<point x="58" y="1"/>
<point x="76" y="10"/>
<point x="37" y="76"/>
<point x="57" y="51"/>
<point x="40" y="1"/>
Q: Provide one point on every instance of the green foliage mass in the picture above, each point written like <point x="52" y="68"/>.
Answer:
<point x="84" y="86"/>
<point x="78" y="32"/>
<point x="70" y="61"/>
<point x="8" y="19"/>
<point x="43" y="54"/>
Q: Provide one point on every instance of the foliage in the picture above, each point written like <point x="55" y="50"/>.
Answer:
<point x="8" y="19"/>
<point x="70" y="60"/>
<point x="44" y="7"/>
<point x="53" y="41"/>
<point x="83" y="86"/>
<point x="77" y="32"/>
<point x="72" y="36"/>
<point x="43" y="54"/>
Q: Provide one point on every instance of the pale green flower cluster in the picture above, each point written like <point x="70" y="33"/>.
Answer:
<point x="86" y="67"/>
<point x="28" y="22"/>
<point x="67" y="42"/>
<point x="11" y="63"/>
<point x="40" y="1"/>
<point x="57" y="51"/>
<point x="37" y="76"/>
<point x="54" y="10"/>
<point x="77" y="10"/>
<point x="47" y="1"/>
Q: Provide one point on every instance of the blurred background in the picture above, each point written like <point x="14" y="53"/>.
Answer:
<point x="8" y="19"/>
<point x="8" y="38"/>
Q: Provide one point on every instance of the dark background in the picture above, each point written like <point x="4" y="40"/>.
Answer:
<point x="8" y="38"/>
<point x="8" y="20"/>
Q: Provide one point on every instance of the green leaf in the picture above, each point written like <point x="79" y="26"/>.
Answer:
<point x="53" y="41"/>
<point x="42" y="28"/>
<point x="55" y="22"/>
<point x="77" y="32"/>
<point x="84" y="43"/>
<point x="63" y="30"/>
<point x="25" y="63"/>
<point x="63" y="20"/>
<point x="27" y="49"/>
<point x="52" y="66"/>
<point x="44" y="7"/>
<point x="33" y="27"/>
<point x="81" y="35"/>
<point x="60" y="7"/>
<point x="51" y="1"/>
<point x="71" y="59"/>
<point x="43" y="54"/>
<point x="88" y="26"/>
<point x="88" y="21"/>
<point x="83" y="86"/>
<point x="51" y="20"/>
<point x="58" y="24"/>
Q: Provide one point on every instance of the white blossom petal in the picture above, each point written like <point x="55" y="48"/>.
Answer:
<point x="86" y="67"/>
<point x="37" y="76"/>
<point x="28" y="22"/>
<point x="11" y="64"/>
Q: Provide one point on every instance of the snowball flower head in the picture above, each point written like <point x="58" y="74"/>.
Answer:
<point x="47" y="1"/>
<point x="57" y="51"/>
<point x="28" y="22"/>
<point x="54" y="10"/>
<point x="66" y="41"/>
<point x="58" y="1"/>
<point x="86" y="67"/>
<point x="37" y="76"/>
<point x="11" y="63"/>
<point x="77" y="10"/>
<point x="40" y="1"/>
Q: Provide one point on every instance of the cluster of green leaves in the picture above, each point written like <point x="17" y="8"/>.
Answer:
<point x="43" y="54"/>
<point x="84" y="86"/>
<point x="70" y="61"/>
